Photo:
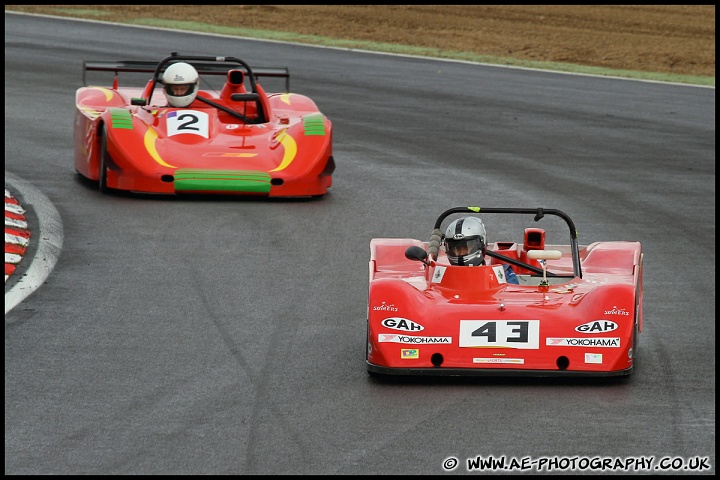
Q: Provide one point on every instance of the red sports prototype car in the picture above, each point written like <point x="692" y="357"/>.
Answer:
<point x="577" y="310"/>
<point x="235" y="139"/>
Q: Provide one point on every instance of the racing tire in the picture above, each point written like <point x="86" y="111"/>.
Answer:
<point x="367" y="345"/>
<point x="635" y="335"/>
<point x="104" y="155"/>
<point x="635" y="339"/>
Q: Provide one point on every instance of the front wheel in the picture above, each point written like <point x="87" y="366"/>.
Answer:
<point x="367" y="348"/>
<point x="104" y="156"/>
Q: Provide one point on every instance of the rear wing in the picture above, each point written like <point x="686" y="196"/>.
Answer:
<point x="203" y="68"/>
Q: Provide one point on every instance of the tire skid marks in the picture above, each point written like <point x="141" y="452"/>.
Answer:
<point x="17" y="235"/>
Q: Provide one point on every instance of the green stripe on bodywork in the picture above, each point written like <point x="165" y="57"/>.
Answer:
<point x="314" y="124"/>
<point x="120" y="118"/>
<point x="192" y="179"/>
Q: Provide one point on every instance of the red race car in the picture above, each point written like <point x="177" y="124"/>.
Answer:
<point x="570" y="310"/>
<point x="171" y="136"/>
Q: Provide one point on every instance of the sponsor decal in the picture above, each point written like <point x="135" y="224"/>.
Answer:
<point x="500" y="274"/>
<point x="517" y="361"/>
<point x="617" y="311"/>
<point x="397" y="323"/>
<point x="386" y="308"/>
<point x="583" y="342"/>
<point x="395" y="338"/>
<point x="409" y="353"/>
<point x="597" y="326"/>
<point x="438" y="274"/>
<point x="593" y="358"/>
<point x="520" y="334"/>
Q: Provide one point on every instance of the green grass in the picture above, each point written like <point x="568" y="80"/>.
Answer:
<point x="387" y="48"/>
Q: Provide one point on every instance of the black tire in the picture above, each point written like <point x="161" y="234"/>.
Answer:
<point x="638" y="307"/>
<point x="104" y="156"/>
<point x="367" y="345"/>
<point x="367" y="338"/>
<point x="636" y="334"/>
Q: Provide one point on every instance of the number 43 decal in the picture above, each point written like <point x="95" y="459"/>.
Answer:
<point x="523" y="334"/>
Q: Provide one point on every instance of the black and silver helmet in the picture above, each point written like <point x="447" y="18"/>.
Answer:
<point x="465" y="241"/>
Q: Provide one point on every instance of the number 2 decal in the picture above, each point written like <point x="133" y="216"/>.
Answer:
<point x="522" y="334"/>
<point x="187" y="121"/>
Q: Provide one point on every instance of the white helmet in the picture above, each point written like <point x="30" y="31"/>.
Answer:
<point x="181" y="82"/>
<point x="465" y="241"/>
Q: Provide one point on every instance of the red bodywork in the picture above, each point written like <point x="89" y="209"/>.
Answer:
<point x="440" y="319"/>
<point x="202" y="148"/>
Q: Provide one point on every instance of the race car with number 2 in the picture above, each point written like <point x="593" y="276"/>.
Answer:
<point x="234" y="138"/>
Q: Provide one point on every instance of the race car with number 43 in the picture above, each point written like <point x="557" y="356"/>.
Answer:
<point x="225" y="134"/>
<point x="575" y="310"/>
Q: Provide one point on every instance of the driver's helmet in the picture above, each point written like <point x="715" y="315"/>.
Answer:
<point x="181" y="82"/>
<point x="465" y="241"/>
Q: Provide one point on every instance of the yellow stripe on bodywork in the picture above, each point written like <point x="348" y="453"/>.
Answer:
<point x="108" y="93"/>
<point x="150" y="139"/>
<point x="285" y="97"/>
<point x="90" y="112"/>
<point x="290" y="147"/>
<point x="229" y="154"/>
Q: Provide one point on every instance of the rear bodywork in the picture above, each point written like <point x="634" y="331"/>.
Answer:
<point x="237" y="139"/>
<point x="581" y="317"/>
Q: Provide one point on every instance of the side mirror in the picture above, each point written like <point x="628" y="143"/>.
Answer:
<point x="542" y="256"/>
<point x="416" y="253"/>
<point x="140" y="102"/>
<point x="545" y="254"/>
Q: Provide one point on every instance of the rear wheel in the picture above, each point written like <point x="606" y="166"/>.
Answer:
<point x="636" y="332"/>
<point x="638" y="312"/>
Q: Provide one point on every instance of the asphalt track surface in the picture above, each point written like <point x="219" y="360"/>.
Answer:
<point x="226" y="336"/>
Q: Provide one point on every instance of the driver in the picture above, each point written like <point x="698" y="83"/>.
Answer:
<point x="465" y="244"/>
<point x="181" y="82"/>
